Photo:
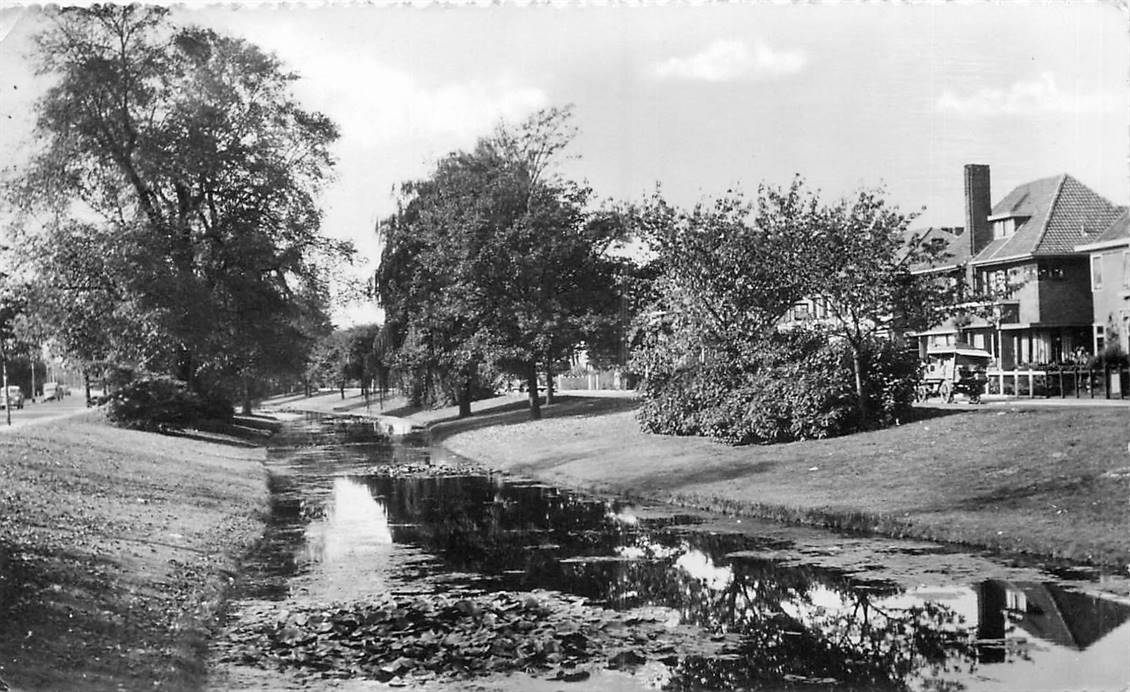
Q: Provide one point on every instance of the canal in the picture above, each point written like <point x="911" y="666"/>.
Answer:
<point x="387" y="564"/>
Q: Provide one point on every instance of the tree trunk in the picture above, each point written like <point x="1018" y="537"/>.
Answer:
<point x="86" y="386"/>
<point x="548" y="383"/>
<point x="342" y="388"/>
<point x="860" y="403"/>
<point x="184" y="367"/>
<point x="532" y="390"/>
<point x="246" y="397"/>
<point x="7" y="401"/>
<point x="465" y="399"/>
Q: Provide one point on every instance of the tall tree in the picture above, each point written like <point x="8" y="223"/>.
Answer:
<point x="425" y="286"/>
<point x="725" y="273"/>
<point x="862" y="257"/>
<point x="494" y="260"/>
<point x="188" y="151"/>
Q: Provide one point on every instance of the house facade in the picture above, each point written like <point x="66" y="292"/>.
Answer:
<point x="1109" y="278"/>
<point x="1025" y="248"/>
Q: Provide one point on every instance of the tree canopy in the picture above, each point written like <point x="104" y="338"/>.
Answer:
<point x="180" y="178"/>
<point x="496" y="263"/>
<point x="717" y="350"/>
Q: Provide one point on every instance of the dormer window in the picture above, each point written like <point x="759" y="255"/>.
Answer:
<point x="1005" y="225"/>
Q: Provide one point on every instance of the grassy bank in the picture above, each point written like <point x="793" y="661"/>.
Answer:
<point x="1050" y="481"/>
<point x="116" y="550"/>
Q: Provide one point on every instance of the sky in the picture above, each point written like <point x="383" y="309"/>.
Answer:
<point x="695" y="98"/>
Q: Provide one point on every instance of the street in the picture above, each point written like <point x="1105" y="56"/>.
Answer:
<point x="43" y="410"/>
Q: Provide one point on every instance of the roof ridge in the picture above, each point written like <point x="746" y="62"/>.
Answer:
<point x="1051" y="210"/>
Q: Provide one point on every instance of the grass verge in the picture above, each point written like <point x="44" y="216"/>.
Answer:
<point x="1052" y="482"/>
<point x="117" y="549"/>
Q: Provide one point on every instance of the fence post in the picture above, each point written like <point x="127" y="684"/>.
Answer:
<point x="1031" y="384"/>
<point x="1061" y="394"/>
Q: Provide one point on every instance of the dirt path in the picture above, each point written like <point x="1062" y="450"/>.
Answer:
<point x="116" y="550"/>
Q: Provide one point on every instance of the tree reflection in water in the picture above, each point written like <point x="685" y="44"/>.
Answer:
<point x="791" y="626"/>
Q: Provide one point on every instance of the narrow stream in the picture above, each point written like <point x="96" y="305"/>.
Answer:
<point x="601" y="594"/>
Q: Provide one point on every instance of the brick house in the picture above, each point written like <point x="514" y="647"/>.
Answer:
<point x="1028" y="241"/>
<point x="1110" y="284"/>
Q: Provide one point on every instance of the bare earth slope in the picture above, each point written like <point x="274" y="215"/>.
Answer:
<point x="116" y="548"/>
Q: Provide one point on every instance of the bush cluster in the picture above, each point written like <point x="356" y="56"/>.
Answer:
<point x="156" y="402"/>
<point x="796" y="385"/>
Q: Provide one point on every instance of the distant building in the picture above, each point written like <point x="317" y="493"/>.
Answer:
<point x="1028" y="241"/>
<point x="1110" y="284"/>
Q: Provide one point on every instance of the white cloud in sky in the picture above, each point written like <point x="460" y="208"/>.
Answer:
<point x="376" y="104"/>
<point x="1039" y="95"/>
<point x="727" y="60"/>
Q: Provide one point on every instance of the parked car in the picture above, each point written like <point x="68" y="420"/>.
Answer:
<point x="15" y="396"/>
<point x="53" y="391"/>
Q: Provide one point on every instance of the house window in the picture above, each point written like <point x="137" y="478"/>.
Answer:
<point x="800" y="311"/>
<point x="1126" y="268"/>
<point x="998" y="281"/>
<point x="1096" y="272"/>
<point x="1050" y="272"/>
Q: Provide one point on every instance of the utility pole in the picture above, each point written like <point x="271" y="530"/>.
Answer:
<point x="7" y="401"/>
<point x="6" y="317"/>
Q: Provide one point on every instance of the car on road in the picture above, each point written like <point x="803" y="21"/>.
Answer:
<point x="15" y="396"/>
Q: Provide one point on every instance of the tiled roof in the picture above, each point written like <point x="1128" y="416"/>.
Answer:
<point x="1119" y="230"/>
<point x="953" y="242"/>
<point x="1062" y="213"/>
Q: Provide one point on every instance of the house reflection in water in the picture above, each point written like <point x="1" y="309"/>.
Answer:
<point x="1045" y="611"/>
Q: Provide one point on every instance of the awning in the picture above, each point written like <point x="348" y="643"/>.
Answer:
<point x="959" y="350"/>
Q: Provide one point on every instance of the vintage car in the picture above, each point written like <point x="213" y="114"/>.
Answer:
<point x="953" y="370"/>
<point x="14" y="396"/>
<point x="53" y="391"/>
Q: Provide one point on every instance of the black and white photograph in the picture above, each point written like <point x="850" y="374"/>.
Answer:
<point x="565" y="346"/>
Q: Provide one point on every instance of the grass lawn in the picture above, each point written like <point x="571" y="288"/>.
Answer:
<point x="1051" y="481"/>
<point x="116" y="549"/>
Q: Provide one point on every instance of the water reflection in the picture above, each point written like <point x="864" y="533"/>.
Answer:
<point x="791" y="626"/>
<point x="798" y="625"/>
<point x="355" y="526"/>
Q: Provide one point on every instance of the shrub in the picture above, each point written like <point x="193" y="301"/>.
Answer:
<point x="797" y="385"/>
<point x="1112" y="356"/>
<point x="157" y="402"/>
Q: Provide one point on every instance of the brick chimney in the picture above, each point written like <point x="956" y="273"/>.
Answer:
<point x="978" y="206"/>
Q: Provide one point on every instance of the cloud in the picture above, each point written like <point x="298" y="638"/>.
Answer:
<point x="1039" y="95"/>
<point x="375" y="104"/>
<point x="728" y="60"/>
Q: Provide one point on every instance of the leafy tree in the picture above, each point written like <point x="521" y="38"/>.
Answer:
<point x="195" y="173"/>
<point x="724" y="275"/>
<point x="494" y="261"/>
<point x="550" y="284"/>
<point x="355" y="353"/>
<point x="862" y="265"/>
<point x="424" y="284"/>
<point x="711" y="347"/>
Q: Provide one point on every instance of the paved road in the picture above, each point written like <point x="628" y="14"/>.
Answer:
<point x="41" y="411"/>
